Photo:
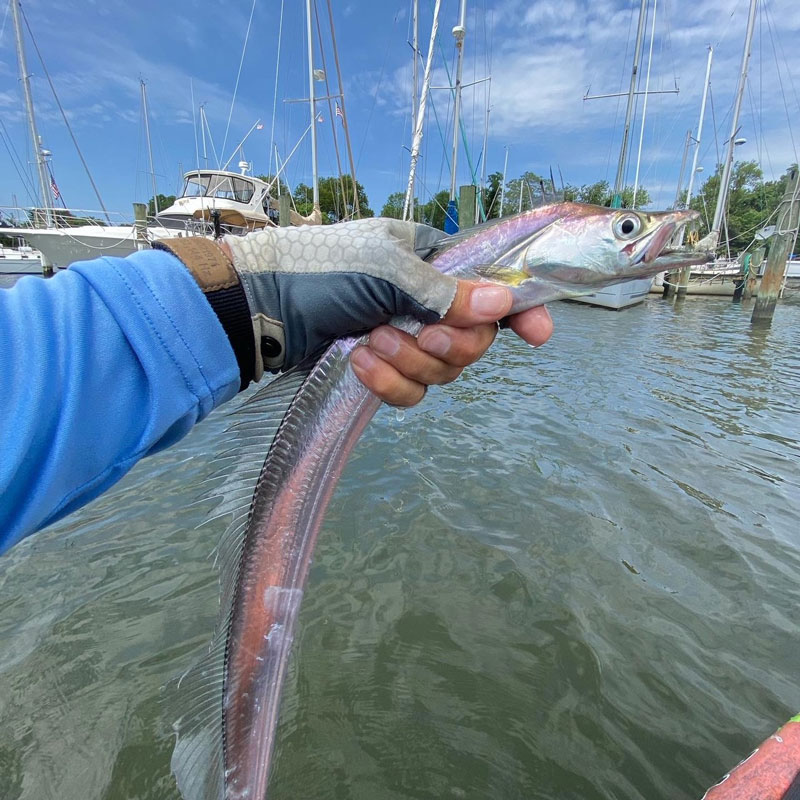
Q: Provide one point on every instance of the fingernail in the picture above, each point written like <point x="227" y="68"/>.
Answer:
<point x="434" y="341"/>
<point x="363" y="358"/>
<point x="384" y="341"/>
<point x="489" y="301"/>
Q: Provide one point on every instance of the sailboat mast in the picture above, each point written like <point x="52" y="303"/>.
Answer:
<point x="479" y="208"/>
<point x="459" y="32"/>
<point x="313" y="109"/>
<point x="724" y="184"/>
<point x="149" y="145"/>
<point x="644" y="105"/>
<point x="345" y="122"/>
<point x="699" y="130"/>
<point x="619" y="182"/>
<point x="683" y="168"/>
<point x="503" y="184"/>
<point x="415" y="87"/>
<point x="41" y="168"/>
<point x="420" y="121"/>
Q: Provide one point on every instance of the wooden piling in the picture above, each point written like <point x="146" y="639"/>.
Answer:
<point x="284" y="210"/>
<point x="751" y="286"/>
<point x="466" y="207"/>
<point x="779" y="251"/>
<point x="140" y="225"/>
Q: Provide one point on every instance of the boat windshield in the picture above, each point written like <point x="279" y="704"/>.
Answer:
<point x="224" y="187"/>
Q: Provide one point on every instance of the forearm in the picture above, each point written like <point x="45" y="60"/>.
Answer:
<point x="109" y="361"/>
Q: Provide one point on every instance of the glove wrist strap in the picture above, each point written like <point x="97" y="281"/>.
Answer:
<point x="220" y="283"/>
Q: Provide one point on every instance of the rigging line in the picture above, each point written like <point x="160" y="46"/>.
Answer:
<point x="619" y="90"/>
<point x="5" y="19"/>
<point x="714" y="122"/>
<point x="783" y="93"/>
<point x="238" y="75"/>
<point x="669" y="42"/>
<point x="275" y="93"/>
<point x="210" y="138"/>
<point x="445" y="156"/>
<point x="22" y="176"/>
<point x="64" y="116"/>
<point x="194" y="125"/>
<point x="331" y="113"/>
<point x="760" y="128"/>
<point x="761" y="142"/>
<point x="343" y="115"/>
<point x="386" y="51"/>
<point x="786" y="63"/>
<point x="462" y="129"/>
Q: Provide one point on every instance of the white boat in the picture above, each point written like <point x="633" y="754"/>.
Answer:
<point x="721" y="278"/>
<point x="63" y="246"/>
<point x="242" y="202"/>
<point x="619" y="295"/>
<point x="21" y="260"/>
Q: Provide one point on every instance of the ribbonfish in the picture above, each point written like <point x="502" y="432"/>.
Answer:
<point x="307" y="422"/>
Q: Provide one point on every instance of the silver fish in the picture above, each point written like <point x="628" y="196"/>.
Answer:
<point x="308" y="422"/>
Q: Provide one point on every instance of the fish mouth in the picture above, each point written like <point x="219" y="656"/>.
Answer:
<point x="651" y="254"/>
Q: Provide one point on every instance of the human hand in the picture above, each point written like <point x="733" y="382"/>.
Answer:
<point x="398" y="367"/>
<point x="303" y="287"/>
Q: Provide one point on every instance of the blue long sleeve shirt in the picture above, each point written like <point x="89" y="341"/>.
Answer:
<point x="105" y="363"/>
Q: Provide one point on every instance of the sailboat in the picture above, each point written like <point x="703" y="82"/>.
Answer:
<point x="629" y="293"/>
<point x="724" y="277"/>
<point x="213" y="201"/>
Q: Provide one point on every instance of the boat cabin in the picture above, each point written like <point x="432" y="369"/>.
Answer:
<point x="242" y="202"/>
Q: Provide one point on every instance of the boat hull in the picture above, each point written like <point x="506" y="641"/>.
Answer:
<point x="20" y="265"/>
<point x="61" y="247"/>
<point x="619" y="295"/>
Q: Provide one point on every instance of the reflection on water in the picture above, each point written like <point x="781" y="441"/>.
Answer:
<point x="573" y="574"/>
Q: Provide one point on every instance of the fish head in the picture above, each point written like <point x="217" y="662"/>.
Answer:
<point x="584" y="247"/>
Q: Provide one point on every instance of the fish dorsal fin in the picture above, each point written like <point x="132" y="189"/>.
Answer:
<point x="196" y="698"/>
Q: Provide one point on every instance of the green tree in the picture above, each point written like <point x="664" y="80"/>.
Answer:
<point x="164" y="201"/>
<point x="434" y="211"/>
<point x="751" y="201"/>
<point x="336" y="199"/>
<point x="491" y="195"/>
<point x="393" y="207"/>
<point x="529" y="186"/>
<point x="600" y="193"/>
<point x="278" y="188"/>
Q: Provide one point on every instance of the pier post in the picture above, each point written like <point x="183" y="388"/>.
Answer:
<point x="140" y="225"/>
<point x="466" y="207"/>
<point x="751" y="287"/>
<point x="670" y="283"/>
<point x="284" y="210"/>
<point x="683" y="281"/>
<point x="779" y="251"/>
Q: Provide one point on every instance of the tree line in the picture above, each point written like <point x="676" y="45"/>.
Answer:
<point x="527" y="191"/>
<point x="751" y="200"/>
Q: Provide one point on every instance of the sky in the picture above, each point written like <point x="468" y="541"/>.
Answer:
<point x="543" y="57"/>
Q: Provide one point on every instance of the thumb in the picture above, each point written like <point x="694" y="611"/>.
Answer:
<point x="476" y="302"/>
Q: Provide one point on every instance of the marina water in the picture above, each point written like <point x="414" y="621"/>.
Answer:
<point x="572" y="574"/>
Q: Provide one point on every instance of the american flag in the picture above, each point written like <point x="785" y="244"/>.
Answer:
<point x="54" y="189"/>
<point x="339" y="112"/>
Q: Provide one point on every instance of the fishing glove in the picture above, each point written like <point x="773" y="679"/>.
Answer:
<point x="290" y="291"/>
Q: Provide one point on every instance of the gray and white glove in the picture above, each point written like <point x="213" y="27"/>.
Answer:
<point x="302" y="287"/>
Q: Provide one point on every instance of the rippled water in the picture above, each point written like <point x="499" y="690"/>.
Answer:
<point x="573" y="574"/>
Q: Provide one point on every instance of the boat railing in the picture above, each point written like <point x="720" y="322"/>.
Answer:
<point x="37" y="217"/>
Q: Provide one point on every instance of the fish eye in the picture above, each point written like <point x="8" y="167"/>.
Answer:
<point x="627" y="226"/>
